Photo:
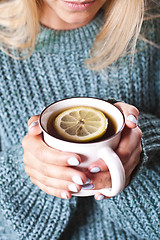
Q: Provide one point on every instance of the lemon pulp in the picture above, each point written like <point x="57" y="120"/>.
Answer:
<point x="81" y="124"/>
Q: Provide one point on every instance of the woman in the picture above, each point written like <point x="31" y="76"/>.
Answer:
<point x="59" y="67"/>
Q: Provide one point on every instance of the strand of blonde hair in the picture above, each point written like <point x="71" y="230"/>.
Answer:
<point x="124" y="20"/>
<point x="18" y="24"/>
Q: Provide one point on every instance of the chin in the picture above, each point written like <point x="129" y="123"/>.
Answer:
<point x="79" y="21"/>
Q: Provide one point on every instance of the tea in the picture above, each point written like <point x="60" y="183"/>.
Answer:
<point x="111" y="130"/>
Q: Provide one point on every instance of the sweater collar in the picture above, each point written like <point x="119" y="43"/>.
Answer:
<point x="56" y="41"/>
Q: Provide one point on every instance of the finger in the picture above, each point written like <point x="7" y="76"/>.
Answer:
<point x="46" y="154"/>
<point x="131" y="164"/>
<point x="130" y="112"/>
<point x="127" y="182"/>
<point x="131" y="121"/>
<point x="98" y="181"/>
<point x="54" y="171"/>
<point x="102" y="179"/>
<point x="33" y="125"/>
<point x="98" y="166"/>
<point x="130" y="140"/>
<point x="99" y="196"/>
<point x="52" y="191"/>
<point x="52" y="182"/>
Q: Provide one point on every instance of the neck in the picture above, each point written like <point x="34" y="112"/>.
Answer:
<point x="79" y="39"/>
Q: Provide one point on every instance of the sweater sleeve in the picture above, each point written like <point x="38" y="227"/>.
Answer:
<point x="148" y="99"/>
<point x="32" y="213"/>
<point x="150" y="126"/>
<point x="136" y="209"/>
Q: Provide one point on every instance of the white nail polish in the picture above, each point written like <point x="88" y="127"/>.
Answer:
<point x="88" y="181"/>
<point x="95" y="170"/>
<point x="77" y="179"/>
<point x="73" y="161"/>
<point x="100" y="197"/>
<point x="64" y="195"/>
<point x="35" y="123"/>
<point x="132" y="118"/>
<point x="72" y="187"/>
<point x="87" y="186"/>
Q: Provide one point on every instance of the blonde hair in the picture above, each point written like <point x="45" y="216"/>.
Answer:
<point x="123" y="23"/>
<point x="19" y="28"/>
<point x="19" y="24"/>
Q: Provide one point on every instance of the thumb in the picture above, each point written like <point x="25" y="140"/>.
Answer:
<point x="131" y="120"/>
<point x="131" y="114"/>
<point x="33" y="125"/>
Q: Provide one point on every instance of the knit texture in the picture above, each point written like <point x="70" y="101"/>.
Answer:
<point x="56" y="71"/>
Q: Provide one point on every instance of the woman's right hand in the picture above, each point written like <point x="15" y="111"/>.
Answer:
<point x="50" y="169"/>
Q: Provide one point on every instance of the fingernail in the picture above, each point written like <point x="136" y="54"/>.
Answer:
<point x="64" y="195"/>
<point x="87" y="186"/>
<point x="72" y="187"/>
<point x="95" y="170"/>
<point x="35" y="123"/>
<point x="73" y="161"/>
<point x="100" y="197"/>
<point x="132" y="118"/>
<point x="88" y="181"/>
<point x="77" y="179"/>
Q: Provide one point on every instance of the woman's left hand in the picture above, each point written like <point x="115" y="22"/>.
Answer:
<point x="129" y="150"/>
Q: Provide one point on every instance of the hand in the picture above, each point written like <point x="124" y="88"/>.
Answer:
<point x="50" y="169"/>
<point x="129" y="151"/>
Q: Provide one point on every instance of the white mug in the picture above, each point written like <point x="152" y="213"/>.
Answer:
<point x="90" y="152"/>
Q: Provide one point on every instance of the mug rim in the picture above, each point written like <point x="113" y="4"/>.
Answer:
<point x="81" y="143"/>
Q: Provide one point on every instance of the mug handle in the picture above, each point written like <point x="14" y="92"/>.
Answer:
<point x="116" y="169"/>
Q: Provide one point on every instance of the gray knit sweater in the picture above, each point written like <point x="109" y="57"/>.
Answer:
<point x="54" y="71"/>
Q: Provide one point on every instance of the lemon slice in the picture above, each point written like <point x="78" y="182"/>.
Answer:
<point x="81" y="124"/>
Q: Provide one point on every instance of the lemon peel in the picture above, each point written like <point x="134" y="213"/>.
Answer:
<point x="81" y="124"/>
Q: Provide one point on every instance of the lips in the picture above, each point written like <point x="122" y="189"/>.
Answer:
<point x="79" y="2"/>
<point x="78" y="5"/>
